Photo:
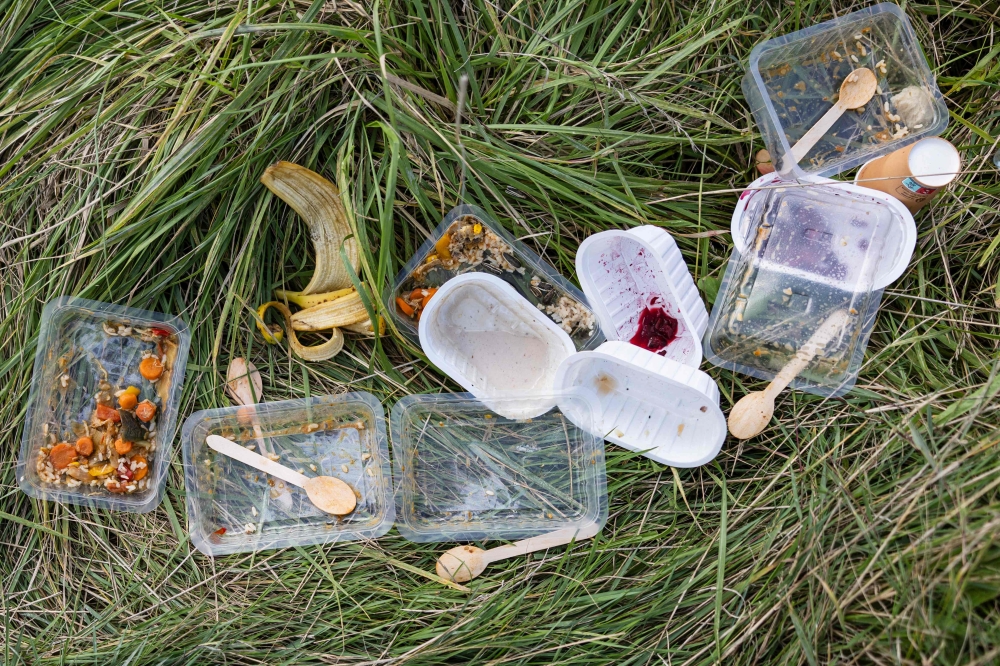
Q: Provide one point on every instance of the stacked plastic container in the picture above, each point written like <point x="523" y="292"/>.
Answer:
<point x="806" y="246"/>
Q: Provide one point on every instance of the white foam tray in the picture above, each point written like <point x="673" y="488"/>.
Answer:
<point x="480" y="332"/>
<point x="901" y="241"/>
<point x="648" y="403"/>
<point x="621" y="272"/>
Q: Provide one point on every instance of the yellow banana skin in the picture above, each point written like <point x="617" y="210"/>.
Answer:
<point x="341" y="312"/>
<point x="317" y="201"/>
<point x="304" y="300"/>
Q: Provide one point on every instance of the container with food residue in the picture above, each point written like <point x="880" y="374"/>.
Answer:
<point x="803" y="252"/>
<point x="464" y="472"/>
<point x="643" y="293"/>
<point x="469" y="240"/>
<point x="793" y="80"/>
<point x="103" y="405"/>
<point x="234" y="508"/>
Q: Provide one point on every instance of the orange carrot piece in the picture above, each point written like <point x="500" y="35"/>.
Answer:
<point x="404" y="306"/>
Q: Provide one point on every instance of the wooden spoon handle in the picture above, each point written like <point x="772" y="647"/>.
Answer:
<point x="551" y="540"/>
<point x="819" y="339"/>
<point x="816" y="132"/>
<point x="246" y="456"/>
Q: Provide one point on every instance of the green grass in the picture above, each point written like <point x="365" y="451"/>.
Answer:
<point x="132" y="137"/>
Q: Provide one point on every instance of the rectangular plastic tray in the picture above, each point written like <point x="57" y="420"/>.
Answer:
<point x="464" y="473"/>
<point x="792" y="80"/>
<point x="74" y="354"/>
<point x="524" y="270"/>
<point x="810" y="252"/>
<point x="234" y="508"/>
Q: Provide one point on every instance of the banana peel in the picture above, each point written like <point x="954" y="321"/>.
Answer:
<point x="330" y="301"/>
<point x="317" y="201"/>
<point x="320" y="352"/>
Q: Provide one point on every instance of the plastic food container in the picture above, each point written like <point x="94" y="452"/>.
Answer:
<point x="476" y="243"/>
<point x="82" y="344"/>
<point x="234" y="508"/>
<point x="632" y="276"/>
<point x="480" y="332"/>
<point x="793" y="80"/>
<point x="901" y="237"/>
<point x="463" y="472"/>
<point x="808" y="251"/>
<point x="648" y="403"/>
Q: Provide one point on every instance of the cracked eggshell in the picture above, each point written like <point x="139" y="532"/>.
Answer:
<point x="480" y="332"/>
<point x="622" y="272"/>
<point x="666" y="410"/>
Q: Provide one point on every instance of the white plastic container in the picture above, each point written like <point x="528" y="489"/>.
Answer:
<point x="648" y="403"/>
<point x="480" y="332"/>
<point x="901" y="238"/>
<point x="627" y="273"/>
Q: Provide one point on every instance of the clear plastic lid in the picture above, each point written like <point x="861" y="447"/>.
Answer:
<point x="793" y="80"/>
<point x="476" y="243"/>
<point x="235" y="508"/>
<point x="464" y="473"/>
<point x="811" y="251"/>
<point x="88" y="353"/>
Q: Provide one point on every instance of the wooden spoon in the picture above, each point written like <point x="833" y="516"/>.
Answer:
<point x="463" y="563"/>
<point x="239" y="377"/>
<point x="855" y="91"/>
<point x="752" y="413"/>
<point x="328" y="493"/>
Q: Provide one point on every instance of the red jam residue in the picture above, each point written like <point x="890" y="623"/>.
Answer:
<point x="657" y="329"/>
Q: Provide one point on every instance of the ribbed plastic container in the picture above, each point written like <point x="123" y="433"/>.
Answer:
<point x="648" y="403"/>
<point x="625" y="273"/>
<point x="464" y="472"/>
<point x="793" y="80"/>
<point x="75" y="354"/>
<point x="483" y="334"/>
<point x="234" y="508"/>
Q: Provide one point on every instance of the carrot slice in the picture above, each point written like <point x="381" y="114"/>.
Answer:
<point x="140" y="472"/>
<point x="61" y="455"/>
<point x="404" y="306"/>
<point x="145" y="411"/>
<point x="122" y="446"/>
<point x="150" y="368"/>
<point x="85" y="446"/>
<point x="427" y="297"/>
<point x="105" y="413"/>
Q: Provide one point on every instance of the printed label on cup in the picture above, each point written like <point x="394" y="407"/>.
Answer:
<point x="911" y="189"/>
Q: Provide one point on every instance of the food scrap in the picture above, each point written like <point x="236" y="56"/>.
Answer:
<point x="110" y="448"/>
<point x="469" y="245"/>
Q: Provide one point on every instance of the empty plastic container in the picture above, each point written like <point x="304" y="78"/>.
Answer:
<point x="667" y="410"/>
<point x="463" y="472"/>
<point x="235" y="508"/>
<point x="804" y="251"/>
<point x="793" y="80"/>
<point x="83" y="345"/>
<point x="468" y="240"/>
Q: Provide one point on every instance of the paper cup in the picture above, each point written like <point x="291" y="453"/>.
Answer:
<point x="913" y="174"/>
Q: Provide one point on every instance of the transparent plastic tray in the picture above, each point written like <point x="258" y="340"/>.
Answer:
<point x="793" y="80"/>
<point x="525" y="271"/>
<point x="811" y="251"/>
<point x="465" y="473"/>
<point x="235" y="508"/>
<point x="75" y="354"/>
